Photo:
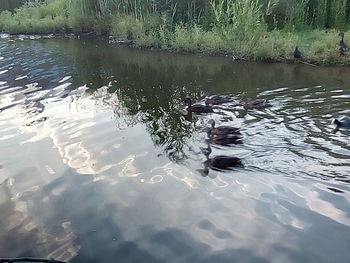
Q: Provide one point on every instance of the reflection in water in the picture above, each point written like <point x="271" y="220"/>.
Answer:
<point x="23" y="237"/>
<point x="98" y="162"/>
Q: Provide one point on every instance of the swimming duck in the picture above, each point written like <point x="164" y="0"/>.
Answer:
<point x="223" y="162"/>
<point x="216" y="100"/>
<point x="255" y="104"/>
<point x="221" y="130"/>
<point x="225" y="139"/>
<point x="343" y="48"/>
<point x="197" y="108"/>
<point x="297" y="54"/>
<point x="342" y="123"/>
<point x="220" y="162"/>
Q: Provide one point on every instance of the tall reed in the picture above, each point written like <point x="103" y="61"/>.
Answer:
<point x="239" y="16"/>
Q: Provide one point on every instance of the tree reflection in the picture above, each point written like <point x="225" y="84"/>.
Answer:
<point x="143" y="90"/>
<point x="149" y="86"/>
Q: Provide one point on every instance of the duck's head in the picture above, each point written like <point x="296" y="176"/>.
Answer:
<point x="341" y="34"/>
<point x="296" y="48"/>
<point x="205" y="171"/>
<point x="212" y="123"/>
<point x="337" y="127"/>
<point x="188" y="102"/>
<point x="336" y="122"/>
<point x="207" y="151"/>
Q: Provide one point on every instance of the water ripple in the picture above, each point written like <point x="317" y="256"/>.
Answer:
<point x="97" y="158"/>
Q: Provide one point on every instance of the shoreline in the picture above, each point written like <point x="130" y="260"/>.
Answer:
<point x="243" y="30"/>
<point x="114" y="41"/>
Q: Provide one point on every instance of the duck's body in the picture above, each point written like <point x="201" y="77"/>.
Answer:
<point x="216" y="100"/>
<point x="197" y="108"/>
<point x="297" y="54"/>
<point x="343" y="123"/>
<point x="225" y="140"/>
<point x="343" y="48"/>
<point x="222" y="162"/>
<point x="221" y="130"/>
<point x="255" y="104"/>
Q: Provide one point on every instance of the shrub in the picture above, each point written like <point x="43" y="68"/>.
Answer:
<point x="127" y="27"/>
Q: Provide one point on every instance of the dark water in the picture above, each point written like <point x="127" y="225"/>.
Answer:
<point x="97" y="163"/>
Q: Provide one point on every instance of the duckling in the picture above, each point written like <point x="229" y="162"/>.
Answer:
<point x="343" y="48"/>
<point x="297" y="54"/>
<point x="197" y="108"/>
<point x="256" y="104"/>
<point x="342" y="123"/>
<point x="220" y="162"/>
<point x="216" y="100"/>
<point x="225" y="140"/>
<point x="221" y="130"/>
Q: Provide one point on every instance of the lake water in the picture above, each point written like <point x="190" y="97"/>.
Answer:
<point x="98" y="163"/>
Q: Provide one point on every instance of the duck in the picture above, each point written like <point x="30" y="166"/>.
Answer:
<point x="341" y="123"/>
<point x="297" y="54"/>
<point x="223" y="162"/>
<point x="197" y="108"/>
<point x="220" y="162"/>
<point x="221" y="130"/>
<point x="217" y="99"/>
<point x="343" y="48"/>
<point x="255" y="104"/>
<point x="225" y="139"/>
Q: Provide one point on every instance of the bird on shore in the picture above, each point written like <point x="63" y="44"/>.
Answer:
<point x="255" y="104"/>
<point x="220" y="162"/>
<point x="197" y="108"/>
<point x="221" y="130"/>
<point x="341" y="123"/>
<point x="297" y="54"/>
<point x="343" y="48"/>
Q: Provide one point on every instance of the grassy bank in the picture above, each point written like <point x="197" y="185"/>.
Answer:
<point x="254" y="29"/>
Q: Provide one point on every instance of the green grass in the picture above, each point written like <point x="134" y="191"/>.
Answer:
<point x="254" y="29"/>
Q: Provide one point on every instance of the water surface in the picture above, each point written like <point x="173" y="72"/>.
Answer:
<point x="98" y="163"/>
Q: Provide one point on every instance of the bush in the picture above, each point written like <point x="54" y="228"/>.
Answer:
<point x="196" y="39"/>
<point x="5" y="19"/>
<point x="127" y="27"/>
<point x="81" y="23"/>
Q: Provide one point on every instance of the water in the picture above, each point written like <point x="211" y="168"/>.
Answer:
<point x="98" y="164"/>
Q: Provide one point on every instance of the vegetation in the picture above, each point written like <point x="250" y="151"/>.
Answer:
<point x="10" y="4"/>
<point x="258" y="29"/>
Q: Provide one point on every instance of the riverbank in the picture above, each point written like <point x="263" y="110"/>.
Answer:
<point x="250" y="38"/>
<point x="327" y="57"/>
